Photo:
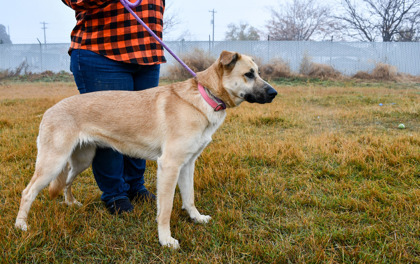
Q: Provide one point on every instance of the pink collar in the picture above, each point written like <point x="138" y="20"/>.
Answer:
<point x="215" y="103"/>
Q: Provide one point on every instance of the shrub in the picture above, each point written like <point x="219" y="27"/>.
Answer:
<point x="317" y="70"/>
<point x="305" y="65"/>
<point x="46" y="76"/>
<point x="384" y="72"/>
<point x="362" y="75"/>
<point x="381" y="71"/>
<point x="198" y="60"/>
<point x="276" y="68"/>
<point x="322" y="71"/>
<point x="21" y="69"/>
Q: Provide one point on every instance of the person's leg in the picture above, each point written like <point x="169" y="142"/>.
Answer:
<point x="93" y="72"/>
<point x="144" y="78"/>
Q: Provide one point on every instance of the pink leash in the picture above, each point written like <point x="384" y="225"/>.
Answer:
<point x="216" y="104"/>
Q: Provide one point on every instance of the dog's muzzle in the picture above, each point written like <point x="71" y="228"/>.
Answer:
<point x="262" y="97"/>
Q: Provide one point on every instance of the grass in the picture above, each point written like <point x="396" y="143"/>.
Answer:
<point x="321" y="175"/>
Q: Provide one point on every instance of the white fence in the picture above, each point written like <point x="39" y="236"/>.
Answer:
<point x="346" y="57"/>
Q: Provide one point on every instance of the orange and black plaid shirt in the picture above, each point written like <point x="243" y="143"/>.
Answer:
<point x="106" y="28"/>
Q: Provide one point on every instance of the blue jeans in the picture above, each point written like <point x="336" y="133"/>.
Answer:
<point x="117" y="175"/>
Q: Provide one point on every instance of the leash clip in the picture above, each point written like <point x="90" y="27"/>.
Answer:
<point x="219" y="106"/>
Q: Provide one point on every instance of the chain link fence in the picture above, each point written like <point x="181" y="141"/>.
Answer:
<point x="346" y="57"/>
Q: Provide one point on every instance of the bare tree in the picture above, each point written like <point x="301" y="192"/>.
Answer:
<point x="370" y="19"/>
<point x="300" y="20"/>
<point x="243" y="31"/>
<point x="410" y="31"/>
<point x="170" y="20"/>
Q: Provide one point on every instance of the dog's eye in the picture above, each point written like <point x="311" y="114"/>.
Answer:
<point x="250" y="75"/>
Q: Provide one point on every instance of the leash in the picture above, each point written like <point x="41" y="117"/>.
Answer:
<point x="129" y="6"/>
<point x="215" y="103"/>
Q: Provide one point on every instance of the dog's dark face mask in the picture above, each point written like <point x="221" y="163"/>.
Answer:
<point x="261" y="92"/>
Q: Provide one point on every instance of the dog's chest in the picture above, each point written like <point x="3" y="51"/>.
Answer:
<point x="215" y="121"/>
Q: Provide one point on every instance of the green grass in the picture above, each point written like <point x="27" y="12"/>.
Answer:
<point x="322" y="174"/>
<point x="345" y="82"/>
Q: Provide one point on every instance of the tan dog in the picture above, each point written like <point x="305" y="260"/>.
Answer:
<point x="171" y="124"/>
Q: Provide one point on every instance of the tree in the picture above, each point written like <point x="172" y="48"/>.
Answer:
<point x="243" y="31"/>
<point x="410" y="30"/>
<point x="408" y="34"/>
<point x="300" y="20"/>
<point x="170" y="20"/>
<point x="388" y="19"/>
<point x="4" y="37"/>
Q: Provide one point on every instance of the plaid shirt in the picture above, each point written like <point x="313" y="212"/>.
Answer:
<point x="106" y="28"/>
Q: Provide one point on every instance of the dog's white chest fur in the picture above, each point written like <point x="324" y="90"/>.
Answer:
<point x="216" y="120"/>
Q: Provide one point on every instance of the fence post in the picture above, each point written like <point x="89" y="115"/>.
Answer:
<point x="40" y="53"/>
<point x="209" y="44"/>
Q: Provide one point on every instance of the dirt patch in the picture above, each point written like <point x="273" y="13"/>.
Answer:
<point x="37" y="90"/>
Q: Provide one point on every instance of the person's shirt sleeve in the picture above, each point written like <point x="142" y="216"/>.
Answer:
<point x="81" y="5"/>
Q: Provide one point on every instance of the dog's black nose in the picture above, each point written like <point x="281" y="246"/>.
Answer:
<point x="271" y="93"/>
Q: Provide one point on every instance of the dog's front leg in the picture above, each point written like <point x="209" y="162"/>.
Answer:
<point x="186" y="187"/>
<point x="167" y="176"/>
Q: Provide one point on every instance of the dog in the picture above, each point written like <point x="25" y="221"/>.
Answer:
<point x="171" y="124"/>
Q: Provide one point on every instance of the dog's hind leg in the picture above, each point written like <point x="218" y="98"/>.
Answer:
<point x="59" y="183"/>
<point x="48" y="167"/>
<point x="54" y="150"/>
<point x="80" y="160"/>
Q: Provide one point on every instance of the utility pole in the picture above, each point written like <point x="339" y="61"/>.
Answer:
<point x="45" y="33"/>
<point x="212" y="21"/>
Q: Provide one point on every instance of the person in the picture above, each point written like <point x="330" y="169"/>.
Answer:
<point x="110" y="50"/>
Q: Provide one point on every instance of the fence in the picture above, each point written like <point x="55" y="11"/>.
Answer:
<point x="346" y="57"/>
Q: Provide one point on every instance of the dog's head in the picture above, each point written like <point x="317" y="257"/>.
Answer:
<point x="238" y="80"/>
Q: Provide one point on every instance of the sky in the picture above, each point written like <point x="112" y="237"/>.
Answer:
<point x="23" y="18"/>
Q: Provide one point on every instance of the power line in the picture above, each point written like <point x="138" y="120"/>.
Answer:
<point x="45" y="32"/>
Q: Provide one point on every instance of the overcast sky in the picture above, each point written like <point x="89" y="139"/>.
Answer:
<point x="24" y="22"/>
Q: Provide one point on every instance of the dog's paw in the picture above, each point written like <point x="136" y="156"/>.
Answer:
<point x="21" y="224"/>
<point x="74" y="203"/>
<point x="202" y="219"/>
<point x="169" y="242"/>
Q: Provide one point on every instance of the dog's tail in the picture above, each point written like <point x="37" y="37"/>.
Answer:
<point x="57" y="185"/>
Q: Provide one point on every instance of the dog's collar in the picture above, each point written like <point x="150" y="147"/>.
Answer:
<point x="215" y="103"/>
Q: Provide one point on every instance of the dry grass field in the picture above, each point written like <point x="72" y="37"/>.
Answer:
<point x="321" y="175"/>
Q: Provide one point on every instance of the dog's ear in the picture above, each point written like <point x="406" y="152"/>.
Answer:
<point x="228" y="59"/>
